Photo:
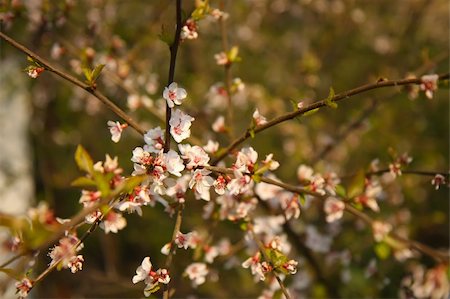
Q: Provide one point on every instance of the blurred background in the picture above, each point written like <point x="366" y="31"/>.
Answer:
<point x="291" y="51"/>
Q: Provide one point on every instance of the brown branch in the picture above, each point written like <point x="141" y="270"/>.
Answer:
<point x="173" y="59"/>
<point x="100" y="96"/>
<point x="341" y="96"/>
<point x="173" y="248"/>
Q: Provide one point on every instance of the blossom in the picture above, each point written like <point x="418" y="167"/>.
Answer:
<point x="291" y="266"/>
<point x="34" y="71"/>
<point x="218" y="14"/>
<point x="154" y="140"/>
<point x="211" y="252"/>
<point x="270" y="162"/>
<point x="197" y="273"/>
<point x="245" y="160"/>
<point x="438" y="180"/>
<point x="194" y="155"/>
<point x="113" y="222"/>
<point x="184" y="240"/>
<point x="76" y="263"/>
<point x="151" y="278"/>
<point x="240" y="183"/>
<point x="219" y="124"/>
<point x="371" y="192"/>
<point x="258" y="118"/>
<point x="254" y="264"/>
<point x="304" y="173"/>
<point x="173" y="163"/>
<point x="180" y="124"/>
<point x="429" y="84"/>
<point x="174" y="94"/>
<point x="116" y="128"/>
<point x="211" y="147"/>
<point x="380" y="230"/>
<point x="24" y="287"/>
<point x="290" y="205"/>
<point x="201" y="182"/>
<point x="221" y="58"/>
<point x="189" y="30"/>
<point x="220" y="184"/>
<point x="334" y="208"/>
<point x="64" y="254"/>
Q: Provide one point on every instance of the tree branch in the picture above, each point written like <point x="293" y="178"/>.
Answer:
<point x="100" y="96"/>
<point x="341" y="96"/>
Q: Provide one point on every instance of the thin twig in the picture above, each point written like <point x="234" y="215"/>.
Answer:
<point x="100" y="96"/>
<point x="317" y="105"/>
<point x="173" y="59"/>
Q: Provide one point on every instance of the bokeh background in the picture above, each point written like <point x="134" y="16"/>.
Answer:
<point x="291" y="51"/>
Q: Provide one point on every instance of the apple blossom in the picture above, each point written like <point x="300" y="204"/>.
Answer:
<point x="189" y="30"/>
<point x="24" y="287"/>
<point x="219" y="125"/>
<point x="258" y="118"/>
<point x="173" y="163"/>
<point x="211" y="147"/>
<point x="174" y="94"/>
<point x="245" y="160"/>
<point x="151" y="278"/>
<point x="194" y="155"/>
<point x="221" y="58"/>
<point x="254" y="263"/>
<point x="220" y="185"/>
<point x="113" y="222"/>
<point x="64" y="254"/>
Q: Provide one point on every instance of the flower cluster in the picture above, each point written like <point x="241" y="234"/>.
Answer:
<point x="65" y="255"/>
<point x="146" y="273"/>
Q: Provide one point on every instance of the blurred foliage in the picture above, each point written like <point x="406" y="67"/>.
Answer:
<point x="290" y="50"/>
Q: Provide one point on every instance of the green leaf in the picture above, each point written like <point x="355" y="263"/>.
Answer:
<point x="102" y="182"/>
<point x="87" y="74"/>
<point x="165" y="36"/>
<point x="96" y="72"/>
<point x="252" y="132"/>
<point x="382" y="250"/>
<point x="233" y="54"/>
<point x="152" y="290"/>
<point x="130" y="183"/>
<point x="329" y="100"/>
<point x="83" y="182"/>
<point x="277" y="258"/>
<point x="84" y="160"/>
<point x="311" y="112"/>
<point x="256" y="178"/>
<point x="200" y="11"/>
<point x="357" y="185"/>
<point x="340" y="191"/>
<point x="302" y="199"/>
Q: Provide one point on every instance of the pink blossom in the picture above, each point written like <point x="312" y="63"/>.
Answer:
<point x="201" y="182"/>
<point x="429" y="84"/>
<point x="189" y="30"/>
<point x="211" y="147"/>
<point x="174" y="94"/>
<point x="64" y="253"/>
<point x="24" y="287"/>
<point x="380" y="230"/>
<point x="240" y="184"/>
<point x="438" y="180"/>
<point x="113" y="222"/>
<point x="220" y="184"/>
<point x="334" y="208"/>
<point x="116" y="128"/>
<point x="197" y="273"/>
<point x="291" y="266"/>
<point x="173" y="163"/>
<point x="245" y="160"/>
<point x="34" y="71"/>
<point x="258" y="118"/>
<point x="184" y="240"/>
<point x="155" y="140"/>
<point x="254" y="264"/>
<point x="76" y="263"/>
<point x="180" y="124"/>
<point x="151" y="278"/>
<point x="194" y="155"/>
<point x="219" y="125"/>
<point x="221" y="58"/>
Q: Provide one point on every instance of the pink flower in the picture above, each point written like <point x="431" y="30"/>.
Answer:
<point x="245" y="160"/>
<point x="220" y="184"/>
<point x="150" y="277"/>
<point x="254" y="264"/>
<point x="334" y="209"/>
<point x="221" y="58"/>
<point x="189" y="30"/>
<point x="113" y="222"/>
<point x="240" y="184"/>
<point x="291" y="266"/>
<point x="219" y="125"/>
<point x="429" y="84"/>
<point x="155" y="140"/>
<point x="258" y="118"/>
<point x="194" y="155"/>
<point x="211" y="147"/>
<point x="173" y="163"/>
<point x="116" y="128"/>
<point x="174" y="95"/>
<point x="34" y="71"/>
<point x="197" y="273"/>
<point x="76" y="263"/>
<point x="184" y="240"/>
<point x="180" y="124"/>
<point x="64" y="254"/>
<point x="438" y="180"/>
<point x="380" y="230"/>
<point x="201" y="183"/>
<point x="24" y="287"/>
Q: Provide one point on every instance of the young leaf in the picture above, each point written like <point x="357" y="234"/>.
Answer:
<point x="83" y="182"/>
<point x="87" y="74"/>
<point x="382" y="250"/>
<point x="329" y="100"/>
<point x="130" y="183"/>
<point x="357" y="185"/>
<point x="311" y="112"/>
<point x="84" y="160"/>
<point x="233" y="54"/>
<point x="96" y="72"/>
<point x="102" y="182"/>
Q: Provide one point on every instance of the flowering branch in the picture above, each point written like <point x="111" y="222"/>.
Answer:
<point x="323" y="103"/>
<point x="89" y="88"/>
<point x="173" y="58"/>
<point x="264" y="254"/>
